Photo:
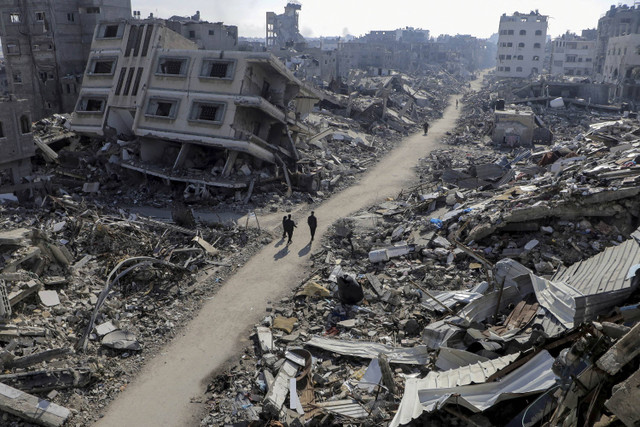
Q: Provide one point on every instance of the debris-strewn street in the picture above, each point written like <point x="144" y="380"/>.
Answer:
<point x="258" y="223"/>
<point x="505" y="273"/>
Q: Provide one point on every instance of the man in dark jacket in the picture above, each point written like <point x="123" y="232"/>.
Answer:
<point x="284" y="227"/>
<point x="289" y="225"/>
<point x="313" y="224"/>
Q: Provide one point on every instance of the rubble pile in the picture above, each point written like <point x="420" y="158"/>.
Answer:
<point x="500" y="290"/>
<point x="88" y="293"/>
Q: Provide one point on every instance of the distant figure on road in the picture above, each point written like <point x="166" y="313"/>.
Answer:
<point x="456" y="104"/>
<point x="426" y="127"/>
<point x="289" y="225"/>
<point x="284" y="227"/>
<point x="313" y="224"/>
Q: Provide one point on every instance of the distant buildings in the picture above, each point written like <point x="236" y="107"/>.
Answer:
<point x="207" y="35"/>
<point x="618" y="52"/>
<point x="521" y="43"/>
<point x="573" y="55"/>
<point x="283" y="30"/>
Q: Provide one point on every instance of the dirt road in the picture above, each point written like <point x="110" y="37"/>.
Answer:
<point x="161" y="394"/>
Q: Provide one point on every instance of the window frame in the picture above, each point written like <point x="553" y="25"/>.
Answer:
<point x="15" y="18"/>
<point x="184" y="68"/>
<point x="83" y="103"/>
<point x="102" y="30"/>
<point x="194" y="112"/>
<point x="173" y="109"/>
<point x="94" y="61"/>
<point x="231" y="68"/>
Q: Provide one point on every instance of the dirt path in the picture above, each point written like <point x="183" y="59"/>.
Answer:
<point x="162" y="392"/>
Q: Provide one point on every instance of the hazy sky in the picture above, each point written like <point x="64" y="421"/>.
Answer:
<point x="338" y="17"/>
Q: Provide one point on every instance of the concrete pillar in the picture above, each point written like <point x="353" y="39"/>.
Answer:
<point x="185" y="150"/>
<point x="228" y="166"/>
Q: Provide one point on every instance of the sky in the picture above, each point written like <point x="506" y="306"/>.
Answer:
<point x="340" y="17"/>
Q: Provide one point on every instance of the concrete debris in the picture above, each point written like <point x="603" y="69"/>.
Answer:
<point x="509" y="270"/>
<point x="53" y="266"/>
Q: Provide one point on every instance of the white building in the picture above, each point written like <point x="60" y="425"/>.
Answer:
<point x="199" y="116"/>
<point x="622" y="66"/>
<point x="572" y="55"/>
<point x="521" y="42"/>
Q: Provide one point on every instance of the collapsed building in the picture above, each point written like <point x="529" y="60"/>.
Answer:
<point x="283" y="30"/>
<point x="45" y="45"/>
<point x="198" y="116"/>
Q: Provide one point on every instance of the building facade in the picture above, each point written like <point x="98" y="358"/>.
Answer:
<point x="283" y="30"/>
<point x="573" y="55"/>
<point x="16" y="143"/>
<point x="621" y="68"/>
<point x="199" y="115"/>
<point x="521" y="44"/>
<point x="617" y="22"/>
<point x="46" y="45"/>
<point x="207" y="35"/>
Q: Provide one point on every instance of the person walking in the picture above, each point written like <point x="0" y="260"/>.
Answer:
<point x="456" y="104"/>
<point x="313" y="224"/>
<point x="426" y="127"/>
<point x="284" y="227"/>
<point x="289" y="226"/>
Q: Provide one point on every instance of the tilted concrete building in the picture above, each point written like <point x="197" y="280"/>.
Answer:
<point x="46" y="46"/>
<point x="199" y="115"/>
<point x="572" y="55"/>
<point x="16" y="144"/>
<point x="521" y="43"/>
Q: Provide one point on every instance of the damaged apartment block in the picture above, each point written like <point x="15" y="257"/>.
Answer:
<point x="16" y="144"/>
<point x="200" y="117"/>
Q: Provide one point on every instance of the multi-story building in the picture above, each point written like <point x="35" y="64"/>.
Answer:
<point x="573" y="55"/>
<point x="16" y="143"/>
<point x="521" y="44"/>
<point x="618" y="21"/>
<point x="207" y="35"/>
<point x="200" y="116"/>
<point x="621" y="68"/>
<point x="283" y="30"/>
<point x="46" y="46"/>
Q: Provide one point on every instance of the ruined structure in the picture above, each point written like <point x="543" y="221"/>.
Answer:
<point x="207" y="35"/>
<point x="46" y="46"/>
<point x="16" y="143"/>
<point x="519" y="128"/>
<point x="282" y="30"/>
<point x="618" y="21"/>
<point x="199" y="115"/>
<point x="573" y="55"/>
<point x="521" y="43"/>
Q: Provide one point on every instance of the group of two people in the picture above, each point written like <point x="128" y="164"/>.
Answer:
<point x="288" y="225"/>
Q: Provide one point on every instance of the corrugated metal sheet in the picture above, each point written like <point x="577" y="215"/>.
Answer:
<point x="604" y="272"/>
<point x="590" y="287"/>
<point x="533" y="377"/>
<point x="475" y="373"/>
<point x="348" y="408"/>
<point x="485" y="306"/>
<point x="417" y="355"/>
<point x="452" y="358"/>
<point x="448" y="298"/>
